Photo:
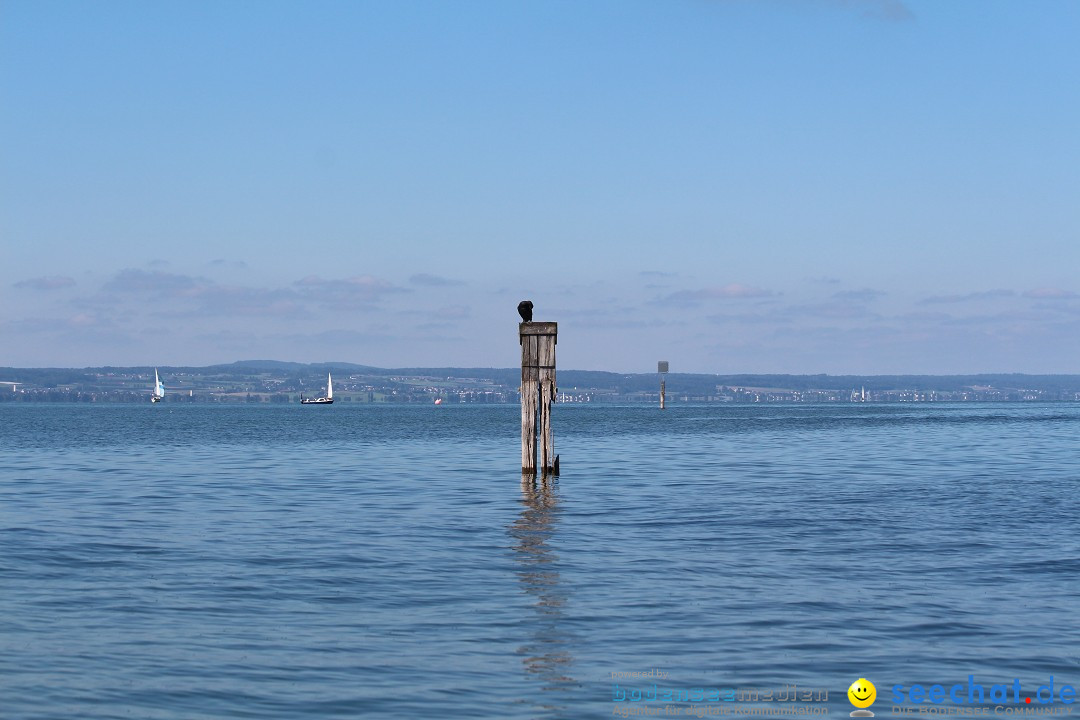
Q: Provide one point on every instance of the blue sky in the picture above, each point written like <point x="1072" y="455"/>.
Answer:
<point x="805" y="186"/>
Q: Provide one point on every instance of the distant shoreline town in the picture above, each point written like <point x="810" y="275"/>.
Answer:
<point x="283" y="382"/>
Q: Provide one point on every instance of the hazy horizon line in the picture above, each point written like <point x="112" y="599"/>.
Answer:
<point x="345" y="364"/>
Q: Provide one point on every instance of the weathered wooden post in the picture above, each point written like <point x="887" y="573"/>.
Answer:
<point x="537" y="391"/>
<point x="662" y="367"/>
<point x="549" y="461"/>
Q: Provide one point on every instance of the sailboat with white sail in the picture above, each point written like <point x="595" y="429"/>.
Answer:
<point x="327" y="400"/>
<point x="159" y="389"/>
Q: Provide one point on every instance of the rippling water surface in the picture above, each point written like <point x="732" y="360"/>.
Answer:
<point x="186" y="561"/>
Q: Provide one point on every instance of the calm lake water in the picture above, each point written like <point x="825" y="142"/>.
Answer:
<point x="186" y="561"/>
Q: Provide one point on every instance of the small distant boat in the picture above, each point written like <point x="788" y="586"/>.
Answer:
<point x="438" y="401"/>
<point x="328" y="400"/>
<point x="159" y="389"/>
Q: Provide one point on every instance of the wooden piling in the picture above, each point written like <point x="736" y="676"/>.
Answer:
<point x="662" y="368"/>
<point x="538" y="390"/>
<point x="530" y="374"/>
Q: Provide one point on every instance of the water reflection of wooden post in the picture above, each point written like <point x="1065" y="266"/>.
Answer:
<point x="547" y="654"/>
<point x="537" y="394"/>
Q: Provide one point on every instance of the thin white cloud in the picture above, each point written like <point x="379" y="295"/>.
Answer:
<point x="445" y="312"/>
<point x="833" y="310"/>
<point x="750" y="319"/>
<point x="732" y="291"/>
<point x="993" y="321"/>
<point x="87" y="326"/>
<point x="154" y="283"/>
<point x="51" y="282"/>
<point x="984" y="295"/>
<point x="1050" y="293"/>
<point x="223" y="301"/>
<point x="171" y="295"/>
<point x="86" y="320"/>
<point x="429" y="280"/>
<point x="342" y="337"/>
<point x="228" y="264"/>
<point x="349" y="293"/>
<point x="864" y="295"/>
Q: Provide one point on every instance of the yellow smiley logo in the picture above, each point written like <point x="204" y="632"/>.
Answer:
<point x="862" y="693"/>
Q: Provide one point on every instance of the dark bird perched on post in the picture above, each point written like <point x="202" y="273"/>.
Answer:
<point x="525" y="310"/>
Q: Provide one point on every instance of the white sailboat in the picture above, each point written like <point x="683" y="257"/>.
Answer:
<point x="159" y="389"/>
<point x="327" y="400"/>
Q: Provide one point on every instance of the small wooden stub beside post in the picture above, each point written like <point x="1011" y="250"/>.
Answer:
<point x="537" y="394"/>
